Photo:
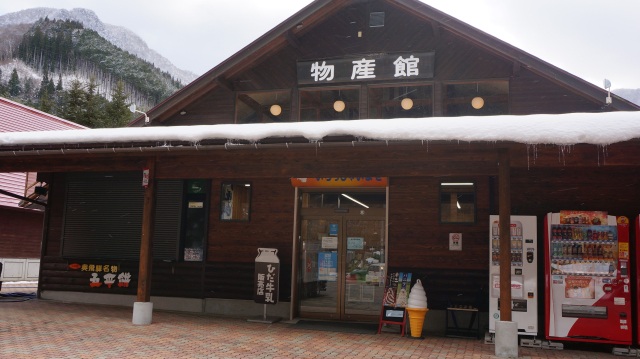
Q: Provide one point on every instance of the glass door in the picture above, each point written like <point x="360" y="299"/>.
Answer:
<point x="365" y="267"/>
<point x="319" y="281"/>
<point x="342" y="262"/>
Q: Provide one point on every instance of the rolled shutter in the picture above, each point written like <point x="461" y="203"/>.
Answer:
<point x="103" y="215"/>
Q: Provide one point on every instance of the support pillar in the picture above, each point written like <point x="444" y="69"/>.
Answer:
<point x="143" y="308"/>
<point x="506" y="340"/>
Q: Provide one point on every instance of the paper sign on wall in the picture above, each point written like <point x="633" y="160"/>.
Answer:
<point x="455" y="241"/>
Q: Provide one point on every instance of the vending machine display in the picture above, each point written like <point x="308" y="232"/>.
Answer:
<point x="524" y="274"/>
<point x="588" y="289"/>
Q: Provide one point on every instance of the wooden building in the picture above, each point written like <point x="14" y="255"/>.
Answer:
<point x="21" y="211"/>
<point x="211" y="202"/>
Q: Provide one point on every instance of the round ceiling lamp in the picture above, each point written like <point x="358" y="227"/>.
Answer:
<point x="477" y="102"/>
<point x="406" y="103"/>
<point x="339" y="106"/>
<point x="275" y="110"/>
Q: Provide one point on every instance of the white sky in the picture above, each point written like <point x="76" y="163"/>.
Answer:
<point x="592" y="39"/>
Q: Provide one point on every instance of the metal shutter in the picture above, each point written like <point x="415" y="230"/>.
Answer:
<point x="103" y="215"/>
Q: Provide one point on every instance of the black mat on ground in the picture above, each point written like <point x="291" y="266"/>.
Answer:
<point x="16" y="297"/>
<point x="357" y="328"/>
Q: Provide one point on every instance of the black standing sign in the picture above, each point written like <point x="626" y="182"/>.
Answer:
<point x="266" y="276"/>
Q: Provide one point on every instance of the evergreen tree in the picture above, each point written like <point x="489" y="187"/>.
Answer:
<point x="14" y="84"/>
<point x="93" y="113"/>
<point x="28" y="95"/>
<point x="46" y="102"/>
<point x="44" y="83"/>
<point x="51" y="88"/>
<point x="74" y="104"/>
<point x="59" y="84"/>
<point x="118" y="114"/>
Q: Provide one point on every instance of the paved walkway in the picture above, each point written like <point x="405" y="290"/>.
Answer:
<point x="48" y="329"/>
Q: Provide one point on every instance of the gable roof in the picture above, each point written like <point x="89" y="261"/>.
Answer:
<point x="319" y="10"/>
<point x="15" y="117"/>
<point x="20" y="118"/>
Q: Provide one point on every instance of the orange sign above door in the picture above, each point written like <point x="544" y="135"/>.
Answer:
<point x="340" y="182"/>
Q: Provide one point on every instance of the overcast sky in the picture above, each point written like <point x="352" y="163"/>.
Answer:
<point x="592" y="39"/>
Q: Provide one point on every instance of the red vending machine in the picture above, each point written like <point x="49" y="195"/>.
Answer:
<point x="588" y="288"/>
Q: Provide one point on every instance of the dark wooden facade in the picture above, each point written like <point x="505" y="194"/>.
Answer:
<point x="544" y="178"/>
<point x="21" y="232"/>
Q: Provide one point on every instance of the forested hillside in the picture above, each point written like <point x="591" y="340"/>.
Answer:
<point x="72" y="72"/>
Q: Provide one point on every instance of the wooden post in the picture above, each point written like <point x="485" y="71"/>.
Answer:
<point x="504" y="211"/>
<point x="146" y="245"/>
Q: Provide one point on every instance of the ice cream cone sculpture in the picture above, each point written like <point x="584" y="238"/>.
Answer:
<point x="417" y="309"/>
<point x="416" y="320"/>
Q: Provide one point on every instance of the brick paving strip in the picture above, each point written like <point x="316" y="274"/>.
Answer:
<point x="48" y="329"/>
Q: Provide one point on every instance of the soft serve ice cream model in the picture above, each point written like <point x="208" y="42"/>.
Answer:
<point x="417" y="309"/>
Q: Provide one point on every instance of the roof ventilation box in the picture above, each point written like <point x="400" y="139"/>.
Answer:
<point x="376" y="19"/>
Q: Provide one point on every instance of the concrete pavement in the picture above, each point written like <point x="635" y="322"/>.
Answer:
<point x="48" y="329"/>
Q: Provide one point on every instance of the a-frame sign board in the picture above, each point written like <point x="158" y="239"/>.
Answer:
<point x="396" y="294"/>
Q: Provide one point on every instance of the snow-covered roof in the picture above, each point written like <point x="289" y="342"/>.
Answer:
<point x="565" y="129"/>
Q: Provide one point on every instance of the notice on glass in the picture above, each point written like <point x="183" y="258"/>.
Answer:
<point x="355" y="243"/>
<point x="328" y="266"/>
<point x="329" y="242"/>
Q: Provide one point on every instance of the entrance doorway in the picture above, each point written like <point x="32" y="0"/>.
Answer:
<point x="342" y="267"/>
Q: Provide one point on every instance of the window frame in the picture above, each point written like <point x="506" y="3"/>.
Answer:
<point x="372" y="87"/>
<point x="489" y="99"/>
<point x="223" y="198"/>
<point x="358" y="88"/>
<point x="473" y="190"/>
<point x="187" y="199"/>
<point x="286" y="106"/>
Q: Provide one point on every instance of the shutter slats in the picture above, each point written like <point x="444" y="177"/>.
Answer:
<point x="103" y="216"/>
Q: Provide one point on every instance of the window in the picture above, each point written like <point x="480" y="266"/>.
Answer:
<point x="483" y="98"/>
<point x="357" y="200"/>
<point x="261" y="107"/>
<point x="327" y="105"/>
<point x="457" y="202"/>
<point x="401" y="102"/>
<point x="235" y="201"/>
<point x="194" y="226"/>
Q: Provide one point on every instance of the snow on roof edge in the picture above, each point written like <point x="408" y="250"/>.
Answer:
<point x="563" y="129"/>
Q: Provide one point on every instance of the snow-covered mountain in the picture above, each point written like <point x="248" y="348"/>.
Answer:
<point x="632" y="95"/>
<point x="117" y="35"/>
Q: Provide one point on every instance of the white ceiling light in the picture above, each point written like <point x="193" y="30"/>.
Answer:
<point x="275" y="110"/>
<point x="339" y="106"/>
<point x="477" y="102"/>
<point x="406" y="103"/>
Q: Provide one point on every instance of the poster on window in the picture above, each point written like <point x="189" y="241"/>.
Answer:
<point x="328" y="266"/>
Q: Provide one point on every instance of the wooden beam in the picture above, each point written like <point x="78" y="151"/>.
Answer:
<point x="225" y="84"/>
<point x="504" y="211"/>
<point x="146" y="244"/>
